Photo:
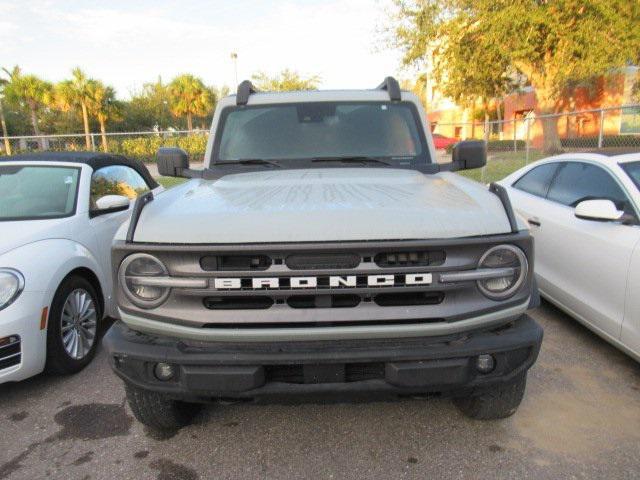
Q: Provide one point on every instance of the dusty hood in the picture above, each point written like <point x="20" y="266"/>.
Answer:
<point x="322" y="205"/>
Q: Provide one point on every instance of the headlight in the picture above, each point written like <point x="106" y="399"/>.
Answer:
<point x="11" y="286"/>
<point x="135" y="276"/>
<point x="515" y="265"/>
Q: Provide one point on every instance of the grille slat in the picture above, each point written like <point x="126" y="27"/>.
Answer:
<point x="10" y="352"/>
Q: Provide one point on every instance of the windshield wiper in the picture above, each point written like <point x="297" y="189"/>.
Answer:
<point x="247" y="161"/>
<point x="350" y="160"/>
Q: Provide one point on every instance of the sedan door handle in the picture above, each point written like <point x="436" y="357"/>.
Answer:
<point x="534" y="221"/>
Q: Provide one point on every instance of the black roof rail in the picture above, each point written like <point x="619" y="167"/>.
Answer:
<point x="392" y="86"/>
<point x="245" y="89"/>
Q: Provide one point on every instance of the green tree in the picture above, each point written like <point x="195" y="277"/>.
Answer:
<point x="73" y="94"/>
<point x="3" y="121"/>
<point x="286" y="80"/>
<point x="103" y="104"/>
<point x="551" y="42"/>
<point x="29" y="91"/>
<point x="189" y="96"/>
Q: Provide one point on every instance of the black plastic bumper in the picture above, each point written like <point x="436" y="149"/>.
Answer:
<point x="206" y="371"/>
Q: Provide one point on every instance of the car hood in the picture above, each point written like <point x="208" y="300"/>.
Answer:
<point x="332" y="204"/>
<point x="17" y="234"/>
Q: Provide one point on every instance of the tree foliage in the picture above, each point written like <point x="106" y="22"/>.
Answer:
<point x="479" y="44"/>
<point x="29" y="91"/>
<point x="286" y="80"/>
<point x="189" y="96"/>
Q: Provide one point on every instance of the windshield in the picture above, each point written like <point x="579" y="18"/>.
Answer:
<point x="37" y="192"/>
<point x="322" y="130"/>
<point x="633" y="170"/>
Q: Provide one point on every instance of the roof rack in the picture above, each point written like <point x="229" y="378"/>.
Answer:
<point x="391" y="85"/>
<point x="245" y="89"/>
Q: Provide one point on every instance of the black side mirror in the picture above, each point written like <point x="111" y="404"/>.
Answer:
<point x="469" y="154"/>
<point x="172" y="162"/>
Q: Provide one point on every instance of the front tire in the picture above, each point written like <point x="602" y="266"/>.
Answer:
<point x="72" y="332"/>
<point x="157" y="411"/>
<point x="500" y="401"/>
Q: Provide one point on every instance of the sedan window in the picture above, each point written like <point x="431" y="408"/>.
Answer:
<point x="633" y="170"/>
<point x="577" y="181"/>
<point x="537" y="180"/>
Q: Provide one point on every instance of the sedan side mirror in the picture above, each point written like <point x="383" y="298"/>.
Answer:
<point x="172" y="162"/>
<point x="600" y="210"/>
<point x="110" y="204"/>
<point x="469" y="154"/>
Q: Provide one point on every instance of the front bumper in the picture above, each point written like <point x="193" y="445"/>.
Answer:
<point x="209" y="370"/>
<point x="22" y="320"/>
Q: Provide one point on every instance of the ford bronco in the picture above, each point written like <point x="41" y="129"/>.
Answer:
<point x="322" y="251"/>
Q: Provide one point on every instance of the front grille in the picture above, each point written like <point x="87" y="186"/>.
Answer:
<point x="10" y="351"/>
<point x="350" y="372"/>
<point x="231" y="263"/>
<point x="238" y="303"/>
<point x="410" y="259"/>
<point x="322" y="261"/>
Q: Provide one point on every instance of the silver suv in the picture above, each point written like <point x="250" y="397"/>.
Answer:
<point x="323" y="250"/>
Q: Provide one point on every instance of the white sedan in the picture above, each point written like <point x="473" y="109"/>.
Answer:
<point x="584" y="210"/>
<point x="58" y="215"/>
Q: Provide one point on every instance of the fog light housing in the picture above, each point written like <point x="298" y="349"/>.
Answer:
<point x="485" y="363"/>
<point x="164" y="371"/>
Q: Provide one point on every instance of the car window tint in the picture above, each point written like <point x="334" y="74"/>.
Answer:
<point x="537" y="180"/>
<point x="577" y="181"/>
<point x="117" y="180"/>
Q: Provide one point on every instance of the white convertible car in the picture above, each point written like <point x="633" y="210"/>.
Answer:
<point x="583" y="210"/>
<point x="58" y="216"/>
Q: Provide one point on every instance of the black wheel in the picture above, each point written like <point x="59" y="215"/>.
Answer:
<point x="72" y="331"/>
<point x="158" y="412"/>
<point x="499" y="402"/>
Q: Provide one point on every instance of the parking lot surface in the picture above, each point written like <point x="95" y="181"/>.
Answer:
<point x="580" y="419"/>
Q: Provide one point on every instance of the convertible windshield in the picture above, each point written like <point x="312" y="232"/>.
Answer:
<point x="322" y="131"/>
<point x="37" y="192"/>
<point x="633" y="170"/>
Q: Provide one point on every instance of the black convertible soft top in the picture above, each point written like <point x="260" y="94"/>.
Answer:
<point x="94" y="159"/>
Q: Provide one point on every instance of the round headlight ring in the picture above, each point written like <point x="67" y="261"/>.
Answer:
<point x="19" y="279"/>
<point x="518" y="282"/>
<point x="123" y="276"/>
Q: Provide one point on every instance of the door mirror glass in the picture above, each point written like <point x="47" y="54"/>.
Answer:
<point x="469" y="154"/>
<point x="600" y="210"/>
<point x="111" y="203"/>
<point x="172" y="162"/>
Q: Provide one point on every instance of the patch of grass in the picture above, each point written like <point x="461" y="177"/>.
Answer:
<point x="501" y="164"/>
<point x="168" y="182"/>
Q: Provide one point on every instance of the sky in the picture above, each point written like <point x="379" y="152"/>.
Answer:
<point x="127" y="43"/>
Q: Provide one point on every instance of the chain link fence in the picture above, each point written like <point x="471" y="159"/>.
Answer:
<point x="513" y="143"/>
<point x="139" y="145"/>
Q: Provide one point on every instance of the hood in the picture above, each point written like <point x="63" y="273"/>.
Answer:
<point x="318" y="205"/>
<point x="17" y="234"/>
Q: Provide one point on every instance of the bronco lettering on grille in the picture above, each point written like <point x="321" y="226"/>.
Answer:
<point x="332" y="281"/>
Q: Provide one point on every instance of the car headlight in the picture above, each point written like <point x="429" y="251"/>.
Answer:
<point x="136" y="279"/>
<point x="11" y="286"/>
<point x="513" y="262"/>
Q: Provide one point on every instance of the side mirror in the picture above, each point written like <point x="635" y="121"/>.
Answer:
<point x="110" y="204"/>
<point x="600" y="210"/>
<point x="469" y="154"/>
<point x="172" y="161"/>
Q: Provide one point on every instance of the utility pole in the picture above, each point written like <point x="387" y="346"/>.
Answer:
<point x="234" y="58"/>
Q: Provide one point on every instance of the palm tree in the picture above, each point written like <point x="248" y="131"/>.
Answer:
<point x="30" y="90"/>
<point x="104" y="106"/>
<point x="189" y="96"/>
<point x="76" y="93"/>
<point x="3" y="122"/>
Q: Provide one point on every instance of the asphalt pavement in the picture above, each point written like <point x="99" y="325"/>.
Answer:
<point x="580" y="419"/>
